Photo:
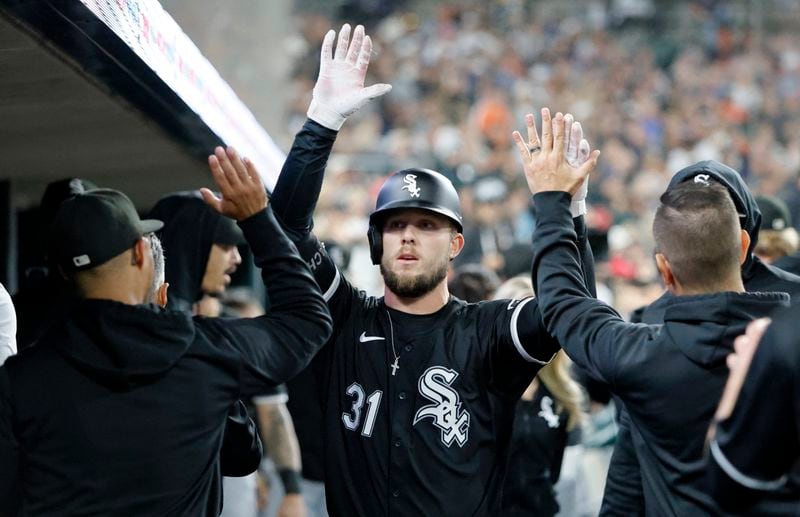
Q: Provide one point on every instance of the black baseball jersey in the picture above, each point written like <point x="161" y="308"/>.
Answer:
<point x="755" y="456"/>
<point x="418" y="409"/>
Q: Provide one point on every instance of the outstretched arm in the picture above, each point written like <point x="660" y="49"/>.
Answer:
<point x="279" y="344"/>
<point x="533" y="346"/>
<point x="338" y="93"/>
<point x="586" y="328"/>
<point x="576" y="152"/>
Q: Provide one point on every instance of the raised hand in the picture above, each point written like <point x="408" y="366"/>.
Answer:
<point x="339" y="91"/>
<point x="544" y="161"/>
<point x="744" y="347"/>
<point x="243" y="194"/>
<point x="577" y="152"/>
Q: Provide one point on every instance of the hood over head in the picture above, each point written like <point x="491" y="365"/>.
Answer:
<point x="749" y="213"/>
<point x="123" y="346"/>
<point x="190" y="228"/>
<point x="704" y="326"/>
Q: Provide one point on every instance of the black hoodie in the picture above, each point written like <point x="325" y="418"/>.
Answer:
<point x="191" y="227"/>
<point x="130" y="416"/>
<point x="623" y="493"/>
<point x="670" y="376"/>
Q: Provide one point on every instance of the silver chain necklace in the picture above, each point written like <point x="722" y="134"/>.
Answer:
<point x="395" y="366"/>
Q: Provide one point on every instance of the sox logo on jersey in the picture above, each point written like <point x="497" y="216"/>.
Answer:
<point x="446" y="411"/>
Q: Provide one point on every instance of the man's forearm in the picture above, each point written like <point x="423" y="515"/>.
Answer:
<point x="587" y="329"/>
<point x="587" y="257"/>
<point x="280" y="441"/>
<point x="300" y="182"/>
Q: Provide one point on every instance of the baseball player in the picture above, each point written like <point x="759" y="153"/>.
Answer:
<point x="418" y="388"/>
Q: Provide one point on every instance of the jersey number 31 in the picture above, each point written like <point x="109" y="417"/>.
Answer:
<point x="353" y="419"/>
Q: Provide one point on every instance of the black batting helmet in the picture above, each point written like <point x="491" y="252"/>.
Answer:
<point x="412" y="188"/>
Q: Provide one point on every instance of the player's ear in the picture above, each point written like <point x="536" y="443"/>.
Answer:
<point x="141" y="248"/>
<point x="161" y="295"/>
<point x="665" y="270"/>
<point x="456" y="245"/>
<point x="745" y="245"/>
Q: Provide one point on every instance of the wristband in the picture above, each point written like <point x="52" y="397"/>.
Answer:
<point x="577" y="208"/>
<point x="291" y="480"/>
<point x="325" y="116"/>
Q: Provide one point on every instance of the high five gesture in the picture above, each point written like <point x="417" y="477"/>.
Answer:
<point x="554" y="161"/>
<point x="339" y="91"/>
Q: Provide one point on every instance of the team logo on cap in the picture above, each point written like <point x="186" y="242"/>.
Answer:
<point x="410" y="181"/>
<point x="81" y="260"/>
<point x="703" y="179"/>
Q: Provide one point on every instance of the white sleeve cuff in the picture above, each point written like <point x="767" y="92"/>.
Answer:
<point x="325" y="116"/>
<point x="515" y="335"/>
<point x="577" y="208"/>
<point x="277" y="398"/>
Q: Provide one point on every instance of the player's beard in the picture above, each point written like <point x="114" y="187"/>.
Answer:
<point x="407" y="286"/>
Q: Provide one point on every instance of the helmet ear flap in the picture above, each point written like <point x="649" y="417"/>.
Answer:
<point x="375" y="238"/>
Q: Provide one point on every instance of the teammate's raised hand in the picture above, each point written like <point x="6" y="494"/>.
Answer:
<point x="340" y="90"/>
<point x="577" y="152"/>
<point x="545" y="160"/>
<point x="744" y="347"/>
<point x="243" y="194"/>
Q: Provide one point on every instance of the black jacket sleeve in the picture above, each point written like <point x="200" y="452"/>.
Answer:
<point x="277" y="345"/>
<point x="297" y="190"/>
<point x="592" y="333"/>
<point x="241" y="450"/>
<point x="585" y="250"/>
<point x="624" y="494"/>
<point x="520" y="324"/>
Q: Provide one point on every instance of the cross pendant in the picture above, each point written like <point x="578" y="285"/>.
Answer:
<point x="395" y="366"/>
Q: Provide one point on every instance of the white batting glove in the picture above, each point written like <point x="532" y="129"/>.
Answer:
<point x="340" y="90"/>
<point x="577" y="152"/>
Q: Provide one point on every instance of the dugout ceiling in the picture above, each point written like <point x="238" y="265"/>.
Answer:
<point x="115" y="92"/>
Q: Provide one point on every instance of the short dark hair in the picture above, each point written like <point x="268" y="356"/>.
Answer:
<point x="473" y="283"/>
<point x="697" y="229"/>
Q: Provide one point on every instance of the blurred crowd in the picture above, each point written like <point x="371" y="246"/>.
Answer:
<point x="652" y="96"/>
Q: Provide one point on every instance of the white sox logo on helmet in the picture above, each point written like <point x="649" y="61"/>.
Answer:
<point x="410" y="181"/>
<point x="446" y="411"/>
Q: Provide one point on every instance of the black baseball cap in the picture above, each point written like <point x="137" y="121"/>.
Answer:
<point x="95" y="226"/>
<point x="774" y="213"/>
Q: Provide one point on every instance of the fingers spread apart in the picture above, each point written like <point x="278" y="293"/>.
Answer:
<point x="355" y="45"/>
<point x="364" y="54"/>
<point x="326" y="54"/>
<point x="341" y="45"/>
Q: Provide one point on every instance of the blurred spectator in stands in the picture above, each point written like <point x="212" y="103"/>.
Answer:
<point x="473" y="283"/>
<point x="683" y="81"/>
<point x="490" y="233"/>
<point x="777" y="240"/>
